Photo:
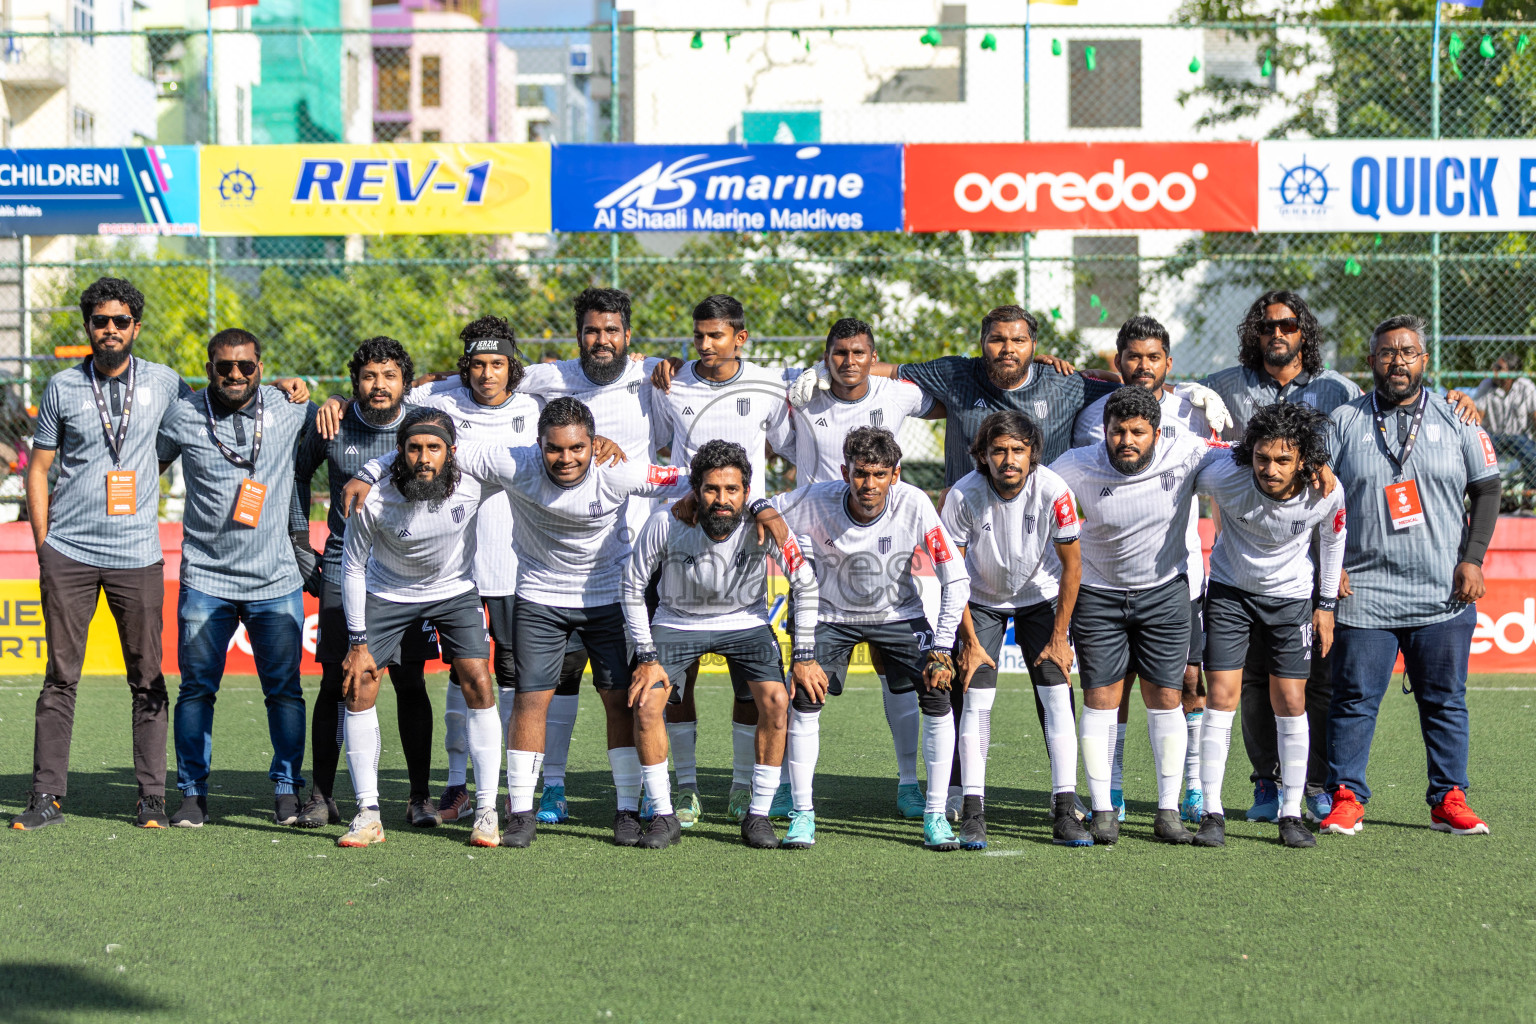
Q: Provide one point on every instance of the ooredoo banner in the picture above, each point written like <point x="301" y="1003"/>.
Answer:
<point x="1397" y="185"/>
<point x="1127" y="186"/>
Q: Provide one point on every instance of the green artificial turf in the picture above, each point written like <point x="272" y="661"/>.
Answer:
<point x="246" y="921"/>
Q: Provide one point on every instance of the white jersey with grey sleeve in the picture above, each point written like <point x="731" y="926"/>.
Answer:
<point x="1265" y="545"/>
<point x="1010" y="545"/>
<point x="1179" y="416"/>
<point x="513" y="423"/>
<point x="821" y="427"/>
<point x="1133" y="532"/>
<point x="750" y="409"/>
<point x="710" y="584"/>
<point x="864" y="570"/>
<point x="409" y="552"/>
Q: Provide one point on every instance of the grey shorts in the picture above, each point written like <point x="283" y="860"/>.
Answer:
<point x="1283" y="627"/>
<point x="460" y="623"/>
<point x="1113" y="628"/>
<point x="1032" y="628"/>
<point x="331" y="640"/>
<point x="752" y="655"/>
<point x="543" y="637"/>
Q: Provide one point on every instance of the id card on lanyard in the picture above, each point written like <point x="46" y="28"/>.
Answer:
<point x="252" y="495"/>
<point x="1404" y="508"/>
<point x="122" y="484"/>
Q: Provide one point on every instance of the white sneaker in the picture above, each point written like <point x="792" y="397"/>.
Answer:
<point x="365" y="830"/>
<point x="487" y="830"/>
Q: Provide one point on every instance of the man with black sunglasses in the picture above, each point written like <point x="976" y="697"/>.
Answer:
<point x="238" y="445"/>
<point x="96" y="533"/>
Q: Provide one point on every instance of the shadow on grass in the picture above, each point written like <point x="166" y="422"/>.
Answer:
<point x="44" y="993"/>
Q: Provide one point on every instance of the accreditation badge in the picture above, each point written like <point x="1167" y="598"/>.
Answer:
<point x="122" y="492"/>
<point x="1403" y="506"/>
<point x="248" y="502"/>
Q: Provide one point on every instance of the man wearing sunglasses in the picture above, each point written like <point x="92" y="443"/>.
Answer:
<point x="96" y="533"/>
<point x="238" y="443"/>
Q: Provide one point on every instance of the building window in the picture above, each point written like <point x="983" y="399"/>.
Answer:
<point x="394" y="71"/>
<point x="85" y="127"/>
<point x="943" y="81"/>
<point x="431" y="135"/>
<point x="431" y="81"/>
<point x="82" y="18"/>
<point x="530" y="96"/>
<point x="1108" y="95"/>
<point x="1236" y="57"/>
<point x="1106" y="291"/>
<point x="389" y="131"/>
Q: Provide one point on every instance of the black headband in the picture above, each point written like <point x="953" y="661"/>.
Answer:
<point x="492" y="346"/>
<point x="432" y="429"/>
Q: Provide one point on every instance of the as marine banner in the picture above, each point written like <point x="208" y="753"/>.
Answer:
<point x="386" y="189"/>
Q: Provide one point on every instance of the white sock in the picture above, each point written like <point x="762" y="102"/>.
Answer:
<point x="657" y="785"/>
<point x="743" y="754"/>
<point x="936" y="734"/>
<point x="455" y="736"/>
<point x="521" y="778"/>
<point x="485" y="746"/>
<point x="975" y="733"/>
<point x="1295" y="747"/>
<point x="559" y="723"/>
<point x="625" y="764"/>
<point x="1215" y="742"/>
<point x="1166" y="731"/>
<point x="1060" y="736"/>
<point x="901" y="714"/>
<point x="1098" y="739"/>
<point x="362" y="728"/>
<point x="1192" y="773"/>
<point x="505" y="696"/>
<point x="765" y="780"/>
<point x="683" y="738"/>
<point x="1117" y="758"/>
<point x="801" y="755"/>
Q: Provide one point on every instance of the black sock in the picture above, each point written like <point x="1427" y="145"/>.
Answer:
<point x="325" y="730"/>
<point x="413" y="710"/>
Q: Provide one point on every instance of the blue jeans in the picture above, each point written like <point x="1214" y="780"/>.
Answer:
<point x="205" y="625"/>
<point x="1435" y="657"/>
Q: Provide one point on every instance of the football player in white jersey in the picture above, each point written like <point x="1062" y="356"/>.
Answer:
<point x="1144" y="357"/>
<point x="1135" y="490"/>
<point x="711" y="582"/>
<point x="1262" y="575"/>
<point x="862" y="534"/>
<point x="1016" y="523"/>
<point x="406" y="560"/>
<point x="720" y="396"/>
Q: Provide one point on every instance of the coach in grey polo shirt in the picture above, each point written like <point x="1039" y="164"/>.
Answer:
<point x="1414" y="558"/>
<point x="237" y="441"/>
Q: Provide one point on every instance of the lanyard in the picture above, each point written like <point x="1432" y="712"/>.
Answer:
<point x="114" y="439"/>
<point x="249" y="465"/>
<point x="1413" y="431"/>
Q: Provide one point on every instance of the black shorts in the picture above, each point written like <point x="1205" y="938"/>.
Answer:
<point x="543" y="637"/>
<point x="1032" y="628"/>
<point x="1113" y="628"/>
<point x="902" y="646"/>
<point x="1283" y="627"/>
<point x="331" y="640"/>
<point x="1196" y="632"/>
<point x="752" y="655"/>
<point x="460" y="622"/>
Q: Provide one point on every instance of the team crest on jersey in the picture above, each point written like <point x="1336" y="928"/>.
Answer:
<point x="743" y="406"/>
<point x="1297" y="527"/>
<point x="595" y="509"/>
<point x="1170" y="431"/>
<point x="885" y="545"/>
<point x="457" y="512"/>
<point x="1041" y="408"/>
<point x="1309" y="399"/>
<point x="634" y="387"/>
<point x="1432" y="432"/>
<point x="1029" y="522"/>
<point x="876" y="417"/>
<point x="1169" y="480"/>
<point x="517" y="423"/>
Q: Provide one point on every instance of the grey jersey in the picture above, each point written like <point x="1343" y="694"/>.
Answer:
<point x="750" y="409"/>
<point x="1134" y="526"/>
<point x="1010" y="546"/>
<point x="710" y="584"/>
<point x="1404" y="577"/>
<point x="824" y="424"/>
<point x="1265" y="545"/>
<point x="865" y="570"/>
<point x="1246" y="391"/>
<point x="69" y="422"/>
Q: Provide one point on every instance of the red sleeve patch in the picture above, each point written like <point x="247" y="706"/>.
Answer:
<point x="1338" y="521"/>
<point x="794" y="558"/>
<point x="662" y="476"/>
<point x="1066" y="511"/>
<point x="938" y="545"/>
<point x="1490" y="457"/>
<point x="1214" y="442"/>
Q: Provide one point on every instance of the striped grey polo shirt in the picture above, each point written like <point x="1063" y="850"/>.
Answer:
<point x="219" y="556"/>
<point x="69" y="423"/>
<point x="1247" y="391"/>
<point x="1403" y="577"/>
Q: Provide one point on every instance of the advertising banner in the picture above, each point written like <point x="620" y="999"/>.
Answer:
<point x="1076" y="186"/>
<point x="409" y="189"/>
<point x="1397" y="185"/>
<point x="727" y="188"/>
<point x="142" y="191"/>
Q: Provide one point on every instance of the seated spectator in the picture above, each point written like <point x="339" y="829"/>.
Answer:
<point x="1508" y="405"/>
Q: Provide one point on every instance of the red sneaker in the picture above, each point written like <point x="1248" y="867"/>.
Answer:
<point x="1453" y="815"/>
<point x="1347" y="815"/>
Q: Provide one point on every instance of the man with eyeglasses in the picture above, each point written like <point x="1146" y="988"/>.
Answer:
<point x="96" y="534"/>
<point x="238" y="446"/>
<point x="1414" y="556"/>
